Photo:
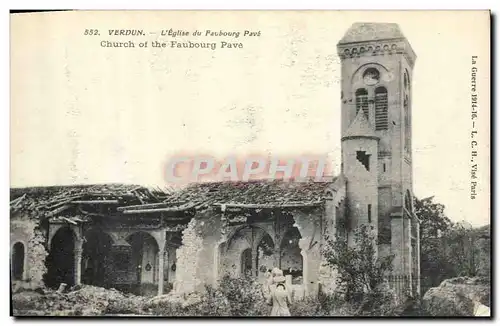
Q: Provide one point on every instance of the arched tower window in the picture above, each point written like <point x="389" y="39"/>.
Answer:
<point x="407" y="125"/>
<point x="381" y="109"/>
<point x="407" y="113"/>
<point x="362" y="101"/>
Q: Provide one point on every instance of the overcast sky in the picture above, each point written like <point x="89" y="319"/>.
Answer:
<point x="82" y="113"/>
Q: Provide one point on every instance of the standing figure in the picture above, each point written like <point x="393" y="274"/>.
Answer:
<point x="266" y="286"/>
<point x="280" y="296"/>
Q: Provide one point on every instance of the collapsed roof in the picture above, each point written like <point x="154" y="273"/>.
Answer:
<point x="54" y="198"/>
<point x="133" y="199"/>
<point x="258" y="192"/>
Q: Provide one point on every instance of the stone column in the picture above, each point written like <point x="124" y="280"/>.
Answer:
<point x="255" y="268"/>
<point x="397" y="243"/>
<point x="78" y="262"/>
<point x="161" y="239"/>
<point x="311" y="265"/>
<point x="218" y="259"/>
<point x="408" y="252"/>
<point x="401" y="248"/>
<point x="277" y="255"/>
<point x="305" y="269"/>
<point x="417" y="226"/>
<point x="161" y="269"/>
<point x="25" y="263"/>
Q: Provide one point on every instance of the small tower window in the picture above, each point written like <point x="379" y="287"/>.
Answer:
<point x="408" y="200"/>
<point x="362" y="101"/>
<point x="371" y="76"/>
<point x="369" y="213"/>
<point x="407" y="80"/>
<point x="381" y="106"/>
<point x="364" y="159"/>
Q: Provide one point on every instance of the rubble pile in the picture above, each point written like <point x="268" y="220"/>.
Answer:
<point x="182" y="300"/>
<point x="84" y="301"/>
<point x="460" y="296"/>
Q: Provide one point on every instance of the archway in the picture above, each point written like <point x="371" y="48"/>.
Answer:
<point x="61" y="260"/>
<point x="266" y="259"/>
<point x="246" y="263"/>
<point x="18" y="261"/>
<point x="241" y="256"/>
<point x="143" y="263"/>
<point x="96" y="259"/>
<point x="291" y="261"/>
<point x="238" y="251"/>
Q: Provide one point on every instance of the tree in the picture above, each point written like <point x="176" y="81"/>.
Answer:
<point x="359" y="268"/>
<point x="434" y="263"/>
<point x="468" y="250"/>
<point x="448" y="249"/>
<point x="433" y="221"/>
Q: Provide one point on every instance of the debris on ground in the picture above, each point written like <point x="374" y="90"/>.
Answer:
<point x="460" y="296"/>
<point x="83" y="301"/>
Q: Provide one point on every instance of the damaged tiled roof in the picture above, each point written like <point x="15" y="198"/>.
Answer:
<point x="275" y="192"/>
<point x="50" y="191"/>
<point x="53" y="196"/>
<point x="136" y="199"/>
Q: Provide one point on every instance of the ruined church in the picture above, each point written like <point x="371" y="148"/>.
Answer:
<point x="144" y="240"/>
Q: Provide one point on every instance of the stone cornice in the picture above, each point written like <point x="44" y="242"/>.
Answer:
<point x="360" y="136"/>
<point x="376" y="48"/>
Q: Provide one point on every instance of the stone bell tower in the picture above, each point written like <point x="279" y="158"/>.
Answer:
<point x="376" y="97"/>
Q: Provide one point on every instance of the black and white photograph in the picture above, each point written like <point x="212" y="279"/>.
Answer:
<point x="250" y="164"/>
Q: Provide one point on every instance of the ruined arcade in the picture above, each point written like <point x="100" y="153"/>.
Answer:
<point x="149" y="241"/>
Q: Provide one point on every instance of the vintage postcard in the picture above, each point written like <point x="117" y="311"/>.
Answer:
<point x="250" y="163"/>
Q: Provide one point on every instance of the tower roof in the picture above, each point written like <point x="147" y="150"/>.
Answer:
<point x="364" y="32"/>
<point x="360" y="127"/>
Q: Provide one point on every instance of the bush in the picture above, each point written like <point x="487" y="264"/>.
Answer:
<point x="232" y="297"/>
<point x="324" y="305"/>
<point x="359" y="268"/>
<point x="309" y="306"/>
<point x="376" y="303"/>
<point x="361" y="275"/>
<point x="244" y="296"/>
<point x="373" y="303"/>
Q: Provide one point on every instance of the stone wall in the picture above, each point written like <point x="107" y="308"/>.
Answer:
<point x="196" y="257"/>
<point x="187" y="260"/>
<point x="205" y="256"/>
<point x="309" y="225"/>
<point x="170" y="272"/>
<point x="209" y="228"/>
<point x="27" y="232"/>
<point x="231" y="260"/>
<point x="149" y="265"/>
